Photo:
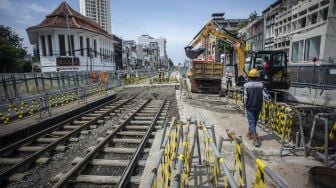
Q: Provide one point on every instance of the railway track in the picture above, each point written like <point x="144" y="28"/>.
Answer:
<point x="119" y="158"/>
<point x="18" y="157"/>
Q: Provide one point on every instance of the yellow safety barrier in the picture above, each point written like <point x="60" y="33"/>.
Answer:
<point x="259" y="181"/>
<point x="276" y="116"/>
<point x="169" y="155"/>
<point x="332" y="132"/>
<point x="175" y="158"/>
<point x="238" y="161"/>
<point x="212" y="162"/>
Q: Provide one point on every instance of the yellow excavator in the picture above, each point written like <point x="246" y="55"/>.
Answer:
<point x="277" y="76"/>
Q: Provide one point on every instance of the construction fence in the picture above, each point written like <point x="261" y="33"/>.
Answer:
<point x="25" y="94"/>
<point x="174" y="165"/>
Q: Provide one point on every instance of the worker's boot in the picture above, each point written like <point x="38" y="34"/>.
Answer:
<point x="255" y="140"/>
<point x="249" y="135"/>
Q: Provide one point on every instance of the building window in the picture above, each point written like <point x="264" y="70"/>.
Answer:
<point x="312" y="48"/>
<point x="81" y="46"/>
<point x="302" y="22"/>
<point x="71" y="45"/>
<point x="88" y="47"/>
<point x="44" y="49"/>
<point x="325" y="13"/>
<point x="101" y="55"/>
<point x="50" y="46"/>
<point x="297" y="49"/>
<point x="61" y="40"/>
<point x="95" y="47"/>
<point x="314" y="18"/>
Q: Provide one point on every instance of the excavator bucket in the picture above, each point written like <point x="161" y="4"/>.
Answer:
<point x="192" y="54"/>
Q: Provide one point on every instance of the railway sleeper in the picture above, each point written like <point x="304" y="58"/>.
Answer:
<point x="71" y="127"/>
<point x="93" y="126"/>
<point x="125" y="140"/>
<point x="97" y="179"/>
<point x="100" y="122"/>
<point x="136" y="127"/>
<point x="38" y="148"/>
<point x="136" y="122"/>
<point x="13" y="161"/>
<point x="119" y="150"/>
<point x="87" y="118"/>
<point x="60" y="133"/>
<point x="78" y="122"/>
<point x="85" y="132"/>
<point x="47" y="140"/>
<point x="17" y="177"/>
<point x="107" y="162"/>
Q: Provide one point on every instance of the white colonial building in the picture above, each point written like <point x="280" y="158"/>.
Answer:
<point x="69" y="41"/>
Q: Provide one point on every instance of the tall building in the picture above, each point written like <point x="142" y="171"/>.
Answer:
<point x="148" y="43"/>
<point x="99" y="11"/>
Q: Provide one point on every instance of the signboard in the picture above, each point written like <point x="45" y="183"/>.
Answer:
<point x="67" y="61"/>
<point x="332" y="71"/>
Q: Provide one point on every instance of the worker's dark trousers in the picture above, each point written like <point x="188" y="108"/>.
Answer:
<point x="252" y="118"/>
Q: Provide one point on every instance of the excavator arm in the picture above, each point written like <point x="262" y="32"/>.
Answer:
<point x="212" y="28"/>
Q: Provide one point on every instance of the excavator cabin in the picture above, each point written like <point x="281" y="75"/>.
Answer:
<point x="272" y="67"/>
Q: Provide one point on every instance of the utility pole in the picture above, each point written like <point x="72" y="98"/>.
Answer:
<point x="69" y="40"/>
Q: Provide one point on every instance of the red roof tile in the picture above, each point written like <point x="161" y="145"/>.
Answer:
<point x="57" y="19"/>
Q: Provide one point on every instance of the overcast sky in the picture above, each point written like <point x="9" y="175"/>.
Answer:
<point x="176" y="20"/>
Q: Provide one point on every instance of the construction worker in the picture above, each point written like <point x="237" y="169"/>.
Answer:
<point x="254" y="93"/>
<point x="228" y="76"/>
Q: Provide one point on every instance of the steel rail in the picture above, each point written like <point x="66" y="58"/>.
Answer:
<point x="127" y="174"/>
<point x="81" y="165"/>
<point x="36" y="155"/>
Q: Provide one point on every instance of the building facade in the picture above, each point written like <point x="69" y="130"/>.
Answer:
<point x="68" y="41"/>
<point x="253" y="34"/>
<point x="148" y="44"/>
<point x="99" y="11"/>
<point x="117" y="41"/>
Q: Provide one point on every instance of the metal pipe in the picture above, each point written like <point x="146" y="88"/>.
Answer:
<point x="276" y="179"/>
<point x="152" y="175"/>
<point x="179" y="165"/>
<point x="243" y="162"/>
<point x="198" y="144"/>
<point x="226" y="170"/>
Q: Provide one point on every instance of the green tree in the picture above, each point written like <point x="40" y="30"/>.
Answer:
<point x="11" y="51"/>
<point x="252" y="16"/>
